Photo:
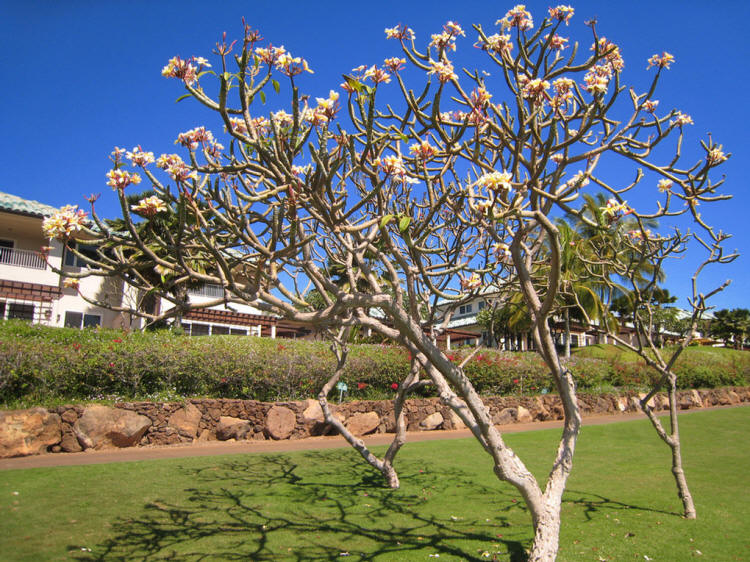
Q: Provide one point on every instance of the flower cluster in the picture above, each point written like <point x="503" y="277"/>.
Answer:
<point x="393" y="166"/>
<point x="518" y="17"/>
<point x="65" y="222"/>
<point x="613" y="209"/>
<point x="563" y="88"/>
<point x="400" y="32"/>
<point x="149" y="206"/>
<point x="320" y="115"/>
<point x="377" y="75"/>
<point x="502" y="251"/>
<point x="282" y="60"/>
<point x="479" y="98"/>
<point x="496" y="181"/>
<point x="300" y="170"/>
<point x="715" y="156"/>
<point x="71" y="283"/>
<point x="138" y="157"/>
<point x="184" y="69"/>
<point x="534" y="90"/>
<point x="120" y="179"/>
<point x="175" y="167"/>
<point x="193" y="138"/>
<point x="280" y="118"/>
<point x="637" y="235"/>
<point x="664" y="185"/>
<point x="423" y="150"/>
<point x="473" y="282"/>
<point x="661" y="61"/>
<point x="394" y="64"/>
<point x="499" y="43"/>
<point x="611" y="53"/>
<point x="557" y="42"/>
<point x="681" y="119"/>
<point x="447" y="39"/>
<point x="597" y="79"/>
<point x="650" y="105"/>
<point x="443" y="69"/>
<point x="561" y="13"/>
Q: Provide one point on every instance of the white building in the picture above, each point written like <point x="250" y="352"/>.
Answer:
<point x="31" y="290"/>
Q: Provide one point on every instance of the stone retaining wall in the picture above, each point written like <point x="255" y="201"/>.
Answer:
<point x="73" y="428"/>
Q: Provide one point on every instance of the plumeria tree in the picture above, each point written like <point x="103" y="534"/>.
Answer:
<point x="417" y="183"/>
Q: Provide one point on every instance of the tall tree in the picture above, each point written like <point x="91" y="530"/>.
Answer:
<point x="468" y="206"/>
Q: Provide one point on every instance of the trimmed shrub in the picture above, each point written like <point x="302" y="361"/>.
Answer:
<point x="41" y="365"/>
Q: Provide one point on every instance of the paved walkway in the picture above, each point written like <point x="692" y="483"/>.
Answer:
<point x="211" y="448"/>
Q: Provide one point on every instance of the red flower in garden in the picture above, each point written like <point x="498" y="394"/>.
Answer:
<point x="76" y="346"/>
<point x="111" y="364"/>
<point x="515" y="381"/>
<point x="394" y="386"/>
<point x="117" y="340"/>
<point x="361" y="385"/>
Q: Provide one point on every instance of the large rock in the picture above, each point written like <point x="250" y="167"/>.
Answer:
<point x="28" y="432"/>
<point x="523" y="415"/>
<point x="433" y="421"/>
<point x="186" y="420"/>
<point x="280" y="422"/>
<point x="505" y="416"/>
<point x="364" y="423"/>
<point x="233" y="428"/>
<point x="313" y="413"/>
<point x="101" y="427"/>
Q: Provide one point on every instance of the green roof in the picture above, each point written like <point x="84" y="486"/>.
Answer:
<point x="15" y="204"/>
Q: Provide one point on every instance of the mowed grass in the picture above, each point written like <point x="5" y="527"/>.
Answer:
<point x="621" y="503"/>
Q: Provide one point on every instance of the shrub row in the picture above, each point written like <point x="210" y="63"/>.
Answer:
<point x="42" y="365"/>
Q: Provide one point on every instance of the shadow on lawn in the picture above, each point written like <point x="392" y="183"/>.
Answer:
<point x="269" y="508"/>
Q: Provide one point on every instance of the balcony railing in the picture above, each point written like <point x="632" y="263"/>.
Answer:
<point x="22" y="258"/>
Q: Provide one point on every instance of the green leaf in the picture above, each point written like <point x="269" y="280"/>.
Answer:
<point x="275" y="85"/>
<point x="385" y="220"/>
<point x="226" y="76"/>
<point x="354" y="83"/>
<point x="182" y="97"/>
<point x="403" y="224"/>
<point x="262" y="96"/>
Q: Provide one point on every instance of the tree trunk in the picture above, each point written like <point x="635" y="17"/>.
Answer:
<point x="673" y="440"/>
<point x="566" y="316"/>
<point x="674" y="443"/>
<point x="546" y="535"/>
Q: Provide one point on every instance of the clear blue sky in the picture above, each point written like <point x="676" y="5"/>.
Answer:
<point x="82" y="77"/>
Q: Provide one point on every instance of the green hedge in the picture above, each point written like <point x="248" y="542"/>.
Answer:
<point x="46" y="365"/>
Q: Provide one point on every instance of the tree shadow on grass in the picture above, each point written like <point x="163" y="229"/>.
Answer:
<point x="279" y="508"/>
<point x="591" y="503"/>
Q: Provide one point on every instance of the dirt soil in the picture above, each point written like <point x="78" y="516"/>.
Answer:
<point x="212" y="448"/>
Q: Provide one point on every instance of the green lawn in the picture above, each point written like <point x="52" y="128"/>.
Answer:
<point x="621" y="503"/>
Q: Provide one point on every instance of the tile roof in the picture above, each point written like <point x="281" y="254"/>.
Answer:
<point x="16" y="204"/>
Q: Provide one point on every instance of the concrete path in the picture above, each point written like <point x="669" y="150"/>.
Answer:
<point x="212" y="448"/>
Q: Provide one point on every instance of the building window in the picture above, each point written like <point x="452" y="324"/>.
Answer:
<point x="237" y="332"/>
<point x="20" y="311"/>
<point x="79" y="320"/>
<point x="464" y="309"/>
<point x="574" y="340"/>
<point x="481" y="305"/>
<point x="87" y="250"/>
<point x="219" y="330"/>
<point x="199" y="329"/>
